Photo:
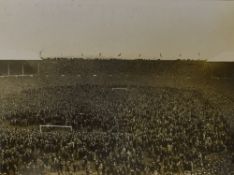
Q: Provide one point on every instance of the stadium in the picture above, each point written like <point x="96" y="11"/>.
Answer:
<point x="116" y="117"/>
<point x="116" y="87"/>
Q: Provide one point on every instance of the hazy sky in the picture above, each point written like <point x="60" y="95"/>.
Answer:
<point x="131" y="27"/>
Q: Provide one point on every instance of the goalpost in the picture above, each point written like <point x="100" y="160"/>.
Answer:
<point x="50" y="128"/>
<point x="56" y="127"/>
<point x="119" y="88"/>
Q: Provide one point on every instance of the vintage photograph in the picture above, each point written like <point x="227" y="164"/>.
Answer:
<point x="116" y="87"/>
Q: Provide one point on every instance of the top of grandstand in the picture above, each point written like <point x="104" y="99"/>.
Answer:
<point x="222" y="58"/>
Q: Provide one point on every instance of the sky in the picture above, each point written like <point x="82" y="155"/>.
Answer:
<point x="194" y="29"/>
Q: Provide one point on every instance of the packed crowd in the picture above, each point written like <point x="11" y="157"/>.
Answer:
<point x="137" y="130"/>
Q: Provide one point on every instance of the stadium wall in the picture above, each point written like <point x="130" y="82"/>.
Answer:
<point x="182" y="68"/>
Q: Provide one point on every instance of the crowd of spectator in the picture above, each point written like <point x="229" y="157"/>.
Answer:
<point x="116" y="131"/>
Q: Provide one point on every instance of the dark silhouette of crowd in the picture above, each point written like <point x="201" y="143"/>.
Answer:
<point x="133" y="130"/>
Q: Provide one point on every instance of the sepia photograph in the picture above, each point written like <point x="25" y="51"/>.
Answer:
<point x="116" y="87"/>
